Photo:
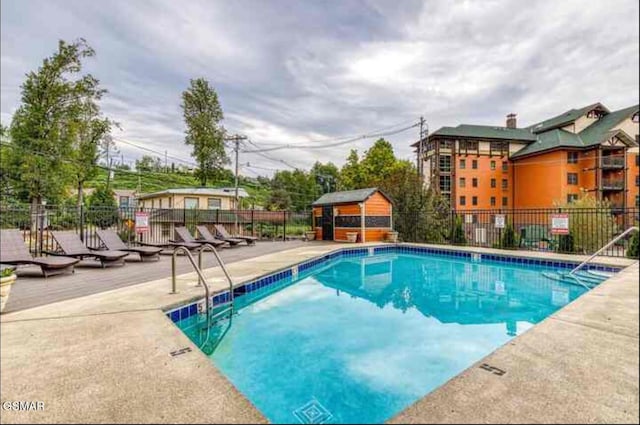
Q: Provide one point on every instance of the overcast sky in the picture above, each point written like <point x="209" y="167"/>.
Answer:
<point x="295" y="72"/>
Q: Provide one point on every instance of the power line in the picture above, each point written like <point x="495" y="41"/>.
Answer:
<point x="348" y="137"/>
<point x="330" y="145"/>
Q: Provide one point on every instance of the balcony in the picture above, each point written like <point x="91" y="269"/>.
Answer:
<point x="612" y="184"/>
<point x="612" y="162"/>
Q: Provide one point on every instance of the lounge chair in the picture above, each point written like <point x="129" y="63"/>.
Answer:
<point x="185" y="236"/>
<point x="112" y="241"/>
<point x="224" y="235"/>
<point x="71" y="246"/>
<point x="531" y="237"/>
<point x="206" y="235"/>
<point x="14" y="251"/>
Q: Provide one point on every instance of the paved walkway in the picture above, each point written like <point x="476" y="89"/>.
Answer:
<point x="32" y="290"/>
<point x="106" y="358"/>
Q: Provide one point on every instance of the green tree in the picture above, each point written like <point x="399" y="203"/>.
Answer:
<point x="326" y="176"/>
<point x="300" y="187"/>
<point x="89" y="128"/>
<point x="352" y="173"/>
<point x="379" y="162"/>
<point x="202" y="115"/>
<point x="41" y="137"/>
<point x="102" y="207"/>
<point x="149" y="164"/>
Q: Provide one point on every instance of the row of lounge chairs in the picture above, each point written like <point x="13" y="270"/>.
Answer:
<point x="72" y="250"/>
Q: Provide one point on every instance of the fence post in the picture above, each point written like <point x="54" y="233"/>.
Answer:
<point x="253" y="230"/>
<point x="40" y="219"/>
<point x="81" y="222"/>
<point x="284" y="227"/>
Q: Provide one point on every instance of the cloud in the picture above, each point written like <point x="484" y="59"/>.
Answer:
<point x="291" y="72"/>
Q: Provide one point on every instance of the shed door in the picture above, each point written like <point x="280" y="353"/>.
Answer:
<point x="327" y="223"/>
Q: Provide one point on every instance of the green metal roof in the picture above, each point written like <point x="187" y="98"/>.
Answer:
<point x="486" y="132"/>
<point x="563" y="119"/>
<point x="549" y="140"/>
<point x="593" y="135"/>
<point x="602" y="129"/>
<point x="347" y="197"/>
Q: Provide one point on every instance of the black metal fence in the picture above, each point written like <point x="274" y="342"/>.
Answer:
<point x="563" y="230"/>
<point x="37" y="222"/>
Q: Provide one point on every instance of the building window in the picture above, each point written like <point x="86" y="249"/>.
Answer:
<point x="123" y="201"/>
<point x="463" y="182"/>
<point x="446" y="144"/>
<point x="467" y="146"/>
<point x="445" y="163"/>
<point x="474" y="182"/>
<point x="445" y="184"/>
<point x="463" y="164"/>
<point x="160" y="203"/>
<point x="505" y="167"/>
<point x="637" y="160"/>
<point x="572" y="197"/>
<point x="214" y="203"/>
<point x="505" y="201"/>
<point x="493" y="183"/>
<point x="463" y="201"/>
<point x="572" y="157"/>
<point x="474" y="200"/>
<point x="474" y="164"/>
<point x="637" y="201"/>
<point x="572" y="178"/>
<point x="493" y="165"/>
<point x="191" y="203"/>
<point x="153" y="203"/>
<point x="500" y="148"/>
<point x="493" y="201"/>
<point x="505" y="183"/>
<point x="637" y="180"/>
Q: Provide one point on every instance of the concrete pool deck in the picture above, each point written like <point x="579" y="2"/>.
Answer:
<point x="107" y="358"/>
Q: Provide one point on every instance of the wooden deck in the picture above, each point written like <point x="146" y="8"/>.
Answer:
<point x="32" y="290"/>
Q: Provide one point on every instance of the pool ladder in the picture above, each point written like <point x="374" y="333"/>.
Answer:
<point x="202" y="281"/>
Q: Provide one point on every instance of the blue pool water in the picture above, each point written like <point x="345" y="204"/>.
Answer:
<point x="357" y="340"/>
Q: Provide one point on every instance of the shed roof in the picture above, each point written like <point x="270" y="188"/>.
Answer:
<point x="348" y="196"/>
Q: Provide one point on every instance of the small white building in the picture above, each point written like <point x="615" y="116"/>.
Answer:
<point x="203" y="198"/>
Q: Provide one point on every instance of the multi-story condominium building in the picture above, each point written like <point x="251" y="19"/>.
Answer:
<point x="590" y="150"/>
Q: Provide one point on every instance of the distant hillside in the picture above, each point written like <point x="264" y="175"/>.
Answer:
<point x="154" y="182"/>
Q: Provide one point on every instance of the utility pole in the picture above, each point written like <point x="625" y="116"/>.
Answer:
<point x="420" y="161"/>
<point x="236" y="148"/>
<point x="109" y="173"/>
<point x="166" y="170"/>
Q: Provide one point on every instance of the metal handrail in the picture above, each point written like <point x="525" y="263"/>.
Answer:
<point x="198" y="271"/>
<point x="209" y="247"/>
<point x="613" y="241"/>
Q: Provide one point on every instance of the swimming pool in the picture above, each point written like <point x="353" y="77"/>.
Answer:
<point x="358" y="335"/>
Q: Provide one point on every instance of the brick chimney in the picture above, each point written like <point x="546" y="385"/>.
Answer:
<point x="511" y="121"/>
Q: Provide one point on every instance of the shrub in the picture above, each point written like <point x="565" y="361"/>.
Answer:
<point x="457" y="233"/>
<point x="591" y="222"/>
<point x="509" y="238"/>
<point x="565" y="243"/>
<point x="632" y="252"/>
<point x="103" y="210"/>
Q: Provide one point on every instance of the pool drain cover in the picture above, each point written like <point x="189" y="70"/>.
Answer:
<point x="312" y="413"/>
